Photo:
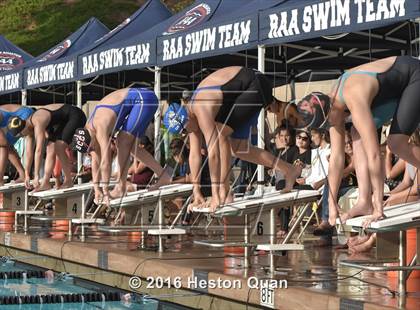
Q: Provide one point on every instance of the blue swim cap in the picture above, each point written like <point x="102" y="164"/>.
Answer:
<point x="175" y="118"/>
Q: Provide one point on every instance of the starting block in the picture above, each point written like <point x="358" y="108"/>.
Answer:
<point x="13" y="196"/>
<point x="15" y="199"/>
<point x="391" y="241"/>
<point x="259" y="213"/>
<point x="69" y="204"/>
<point x="151" y="207"/>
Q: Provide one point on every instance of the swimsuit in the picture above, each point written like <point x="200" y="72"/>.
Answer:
<point x="398" y="95"/>
<point x="135" y="112"/>
<point x="64" y="122"/>
<point x="23" y="113"/>
<point x="243" y="98"/>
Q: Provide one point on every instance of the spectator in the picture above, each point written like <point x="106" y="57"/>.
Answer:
<point x="317" y="175"/>
<point x="86" y="172"/>
<point x="179" y="160"/>
<point x="141" y="175"/>
<point x="298" y="155"/>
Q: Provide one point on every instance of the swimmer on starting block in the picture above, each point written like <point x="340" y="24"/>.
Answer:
<point x="55" y="123"/>
<point x="373" y="94"/>
<point x="7" y="140"/>
<point x="223" y="108"/>
<point x="127" y="111"/>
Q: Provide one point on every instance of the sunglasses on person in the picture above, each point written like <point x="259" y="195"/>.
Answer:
<point x="303" y="138"/>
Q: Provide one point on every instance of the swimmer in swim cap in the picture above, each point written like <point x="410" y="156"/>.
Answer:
<point x="55" y="125"/>
<point x="222" y="110"/>
<point x="125" y="114"/>
<point x="372" y="94"/>
<point x="7" y="139"/>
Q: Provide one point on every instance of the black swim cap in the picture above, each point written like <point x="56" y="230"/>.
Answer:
<point x="314" y="109"/>
<point x="16" y="125"/>
<point x="81" y="140"/>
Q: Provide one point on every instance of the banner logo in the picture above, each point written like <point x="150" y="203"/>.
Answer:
<point x="190" y="19"/>
<point x="56" y="52"/>
<point x="9" y="61"/>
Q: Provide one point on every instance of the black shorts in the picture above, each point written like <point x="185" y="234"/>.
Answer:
<point x="64" y="130"/>
<point x="243" y="98"/>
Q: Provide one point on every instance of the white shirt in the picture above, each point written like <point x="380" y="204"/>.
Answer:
<point x="319" y="165"/>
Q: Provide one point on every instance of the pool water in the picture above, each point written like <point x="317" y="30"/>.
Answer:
<point x="38" y="292"/>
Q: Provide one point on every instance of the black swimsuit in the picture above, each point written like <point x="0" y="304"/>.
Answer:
<point x="64" y="122"/>
<point x="398" y="95"/>
<point x="243" y="98"/>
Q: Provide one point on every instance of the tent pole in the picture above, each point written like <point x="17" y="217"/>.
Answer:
<point x="261" y="120"/>
<point x="24" y="97"/>
<point x="79" y="105"/>
<point x="158" y="73"/>
<point x="418" y="38"/>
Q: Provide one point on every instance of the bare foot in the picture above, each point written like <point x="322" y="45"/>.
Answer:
<point x="364" y="246"/>
<point x="67" y="184"/>
<point x="117" y="192"/>
<point x="356" y="240"/>
<point x="19" y="180"/>
<point x="291" y="177"/>
<point x="373" y="218"/>
<point x="42" y="187"/>
<point x="163" y="180"/>
<point x="359" y="209"/>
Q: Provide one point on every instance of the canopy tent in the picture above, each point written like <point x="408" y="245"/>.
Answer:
<point x="58" y="64"/>
<point x="233" y="26"/>
<point x="299" y="20"/>
<point x="121" y="47"/>
<point x="335" y="35"/>
<point x="12" y="58"/>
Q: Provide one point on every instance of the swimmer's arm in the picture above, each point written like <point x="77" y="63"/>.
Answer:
<point x="337" y="158"/>
<point x="39" y="133"/>
<point x="3" y="155"/>
<point x="363" y="122"/>
<point x="195" y="161"/>
<point x="29" y="155"/>
<point x="105" y="161"/>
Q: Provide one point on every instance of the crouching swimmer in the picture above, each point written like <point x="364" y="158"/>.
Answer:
<point x="223" y="109"/>
<point x="126" y="112"/>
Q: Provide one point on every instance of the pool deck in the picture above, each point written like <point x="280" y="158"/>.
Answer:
<point x="315" y="280"/>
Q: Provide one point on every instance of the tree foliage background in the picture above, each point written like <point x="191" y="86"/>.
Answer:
<point x="37" y="25"/>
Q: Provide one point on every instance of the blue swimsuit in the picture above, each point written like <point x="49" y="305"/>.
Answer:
<point x="23" y="113"/>
<point x="135" y="112"/>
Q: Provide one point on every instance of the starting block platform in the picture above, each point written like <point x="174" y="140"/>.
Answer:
<point x="13" y="196"/>
<point x="259" y="221"/>
<point x="15" y="199"/>
<point x="391" y="242"/>
<point x="149" y="205"/>
<point x="395" y="218"/>
<point x="70" y="204"/>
